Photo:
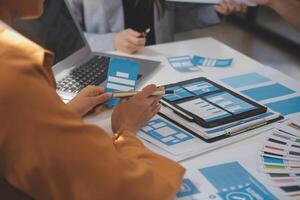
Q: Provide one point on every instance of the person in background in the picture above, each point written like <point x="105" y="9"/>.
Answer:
<point x="118" y="24"/>
<point x="47" y="151"/>
<point x="288" y="9"/>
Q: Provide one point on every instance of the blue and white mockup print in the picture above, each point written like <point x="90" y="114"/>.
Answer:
<point x="228" y="181"/>
<point x="168" y="136"/>
<point x="182" y="63"/>
<point x="211" y="62"/>
<point x="247" y="79"/>
<point x="122" y="76"/>
<point x="188" y="63"/>
<point x="271" y="92"/>
<point x="200" y="88"/>
<point x="180" y="93"/>
<point x="187" y="188"/>
<point x="235" y="182"/>
<point x="166" y="133"/>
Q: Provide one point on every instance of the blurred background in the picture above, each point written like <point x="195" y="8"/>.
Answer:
<point x="265" y="37"/>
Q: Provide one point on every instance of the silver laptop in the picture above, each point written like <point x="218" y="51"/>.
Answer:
<point x="76" y="66"/>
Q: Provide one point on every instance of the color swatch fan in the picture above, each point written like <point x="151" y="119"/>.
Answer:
<point x="280" y="157"/>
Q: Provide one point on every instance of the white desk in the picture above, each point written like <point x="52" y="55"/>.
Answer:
<point x="166" y="74"/>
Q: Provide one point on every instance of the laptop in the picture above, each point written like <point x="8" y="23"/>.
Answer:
<point x="75" y="65"/>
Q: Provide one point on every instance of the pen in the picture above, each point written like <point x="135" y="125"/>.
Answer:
<point x="146" y="32"/>
<point x="175" y="109"/>
<point x="132" y="93"/>
<point x="251" y="125"/>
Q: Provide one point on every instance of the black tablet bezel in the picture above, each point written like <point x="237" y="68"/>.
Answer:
<point x="235" y="117"/>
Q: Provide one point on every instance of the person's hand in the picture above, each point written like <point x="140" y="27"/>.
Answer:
<point x="133" y="113"/>
<point x="262" y="2"/>
<point x="227" y="7"/>
<point x="129" y="41"/>
<point x="89" y="99"/>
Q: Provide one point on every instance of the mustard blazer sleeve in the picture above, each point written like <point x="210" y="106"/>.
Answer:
<point x="49" y="153"/>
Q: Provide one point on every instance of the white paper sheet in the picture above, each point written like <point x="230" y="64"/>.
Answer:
<point x="246" y="2"/>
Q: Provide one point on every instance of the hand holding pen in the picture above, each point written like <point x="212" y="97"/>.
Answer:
<point x="130" y="41"/>
<point x="158" y="92"/>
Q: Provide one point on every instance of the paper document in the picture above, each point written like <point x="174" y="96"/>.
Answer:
<point x="246" y="2"/>
<point x="275" y="91"/>
<point x="168" y="139"/>
<point x="229" y="181"/>
<point x="195" y="63"/>
<point x="168" y="136"/>
<point x="227" y="129"/>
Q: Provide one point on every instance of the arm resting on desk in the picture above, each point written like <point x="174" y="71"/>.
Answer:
<point x="48" y="152"/>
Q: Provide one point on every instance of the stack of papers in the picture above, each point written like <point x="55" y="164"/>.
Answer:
<point x="227" y="129"/>
<point x="279" y="157"/>
<point x="170" y="140"/>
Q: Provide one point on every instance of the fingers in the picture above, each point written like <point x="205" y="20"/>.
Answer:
<point x="100" y="99"/>
<point x="227" y="7"/>
<point x="133" y="32"/>
<point x="131" y="48"/>
<point x="95" y="91"/>
<point x="222" y="7"/>
<point x="155" y="111"/>
<point x="148" y="90"/>
<point x="92" y="90"/>
<point x="146" y="97"/>
<point x="137" y="41"/>
<point x="133" y="41"/>
<point x="129" y="41"/>
<point x="154" y="105"/>
<point x="98" y="109"/>
<point x="243" y="8"/>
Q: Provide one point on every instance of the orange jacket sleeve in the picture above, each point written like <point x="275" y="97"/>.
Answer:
<point x="48" y="152"/>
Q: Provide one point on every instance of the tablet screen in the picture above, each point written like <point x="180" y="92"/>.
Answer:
<point x="216" y="106"/>
<point x="211" y="102"/>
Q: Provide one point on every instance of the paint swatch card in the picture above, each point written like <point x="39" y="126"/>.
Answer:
<point x="285" y="182"/>
<point x="275" y="155"/>
<point x="122" y="76"/>
<point x="280" y="158"/>
<point x="291" y="130"/>
<point x="211" y="62"/>
<point x="278" y="176"/>
<point x="280" y="150"/>
<point x="182" y="63"/>
<point x="267" y="160"/>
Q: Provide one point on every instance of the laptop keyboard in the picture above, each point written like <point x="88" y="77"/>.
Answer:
<point x="93" y="72"/>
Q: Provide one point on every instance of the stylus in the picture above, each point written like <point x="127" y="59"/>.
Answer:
<point x="146" y="32"/>
<point x="251" y="125"/>
<point x="132" y="93"/>
<point x="176" y="109"/>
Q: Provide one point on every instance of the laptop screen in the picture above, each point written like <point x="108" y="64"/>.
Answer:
<point x="55" y="30"/>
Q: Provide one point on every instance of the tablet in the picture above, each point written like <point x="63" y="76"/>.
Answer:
<point x="209" y="104"/>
